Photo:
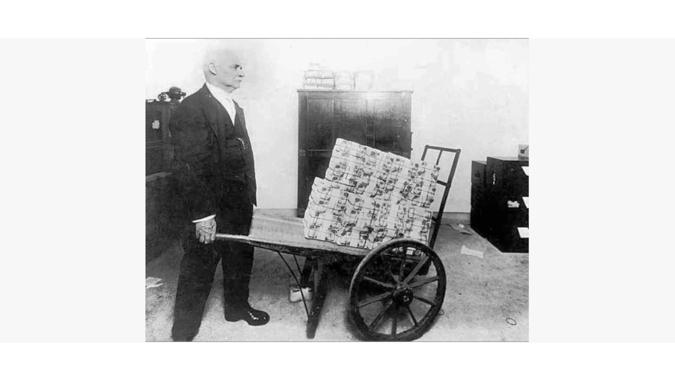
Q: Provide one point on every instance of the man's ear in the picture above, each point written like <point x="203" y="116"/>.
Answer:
<point x="212" y="69"/>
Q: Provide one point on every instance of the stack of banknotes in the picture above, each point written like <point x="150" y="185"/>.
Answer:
<point x="369" y="197"/>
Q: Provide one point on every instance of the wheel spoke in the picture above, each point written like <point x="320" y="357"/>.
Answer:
<point x="424" y="282"/>
<point x="412" y="315"/>
<point x="400" y="268"/>
<point x="393" y="276"/>
<point x="374" y="281"/>
<point x="395" y="321"/>
<point x="378" y="319"/>
<point x="425" y="300"/>
<point x="416" y="269"/>
<point x="381" y="297"/>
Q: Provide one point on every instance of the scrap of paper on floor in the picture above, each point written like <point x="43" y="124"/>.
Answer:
<point x="527" y="201"/>
<point x="470" y="252"/>
<point x="152" y="282"/>
<point x="460" y="228"/>
<point x="526" y="169"/>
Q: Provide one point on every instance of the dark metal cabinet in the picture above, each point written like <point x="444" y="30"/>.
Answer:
<point x="379" y="119"/>
<point x="498" y="187"/>
<point x="158" y="150"/>
<point x="160" y="229"/>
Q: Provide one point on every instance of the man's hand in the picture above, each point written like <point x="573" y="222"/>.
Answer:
<point x="206" y="231"/>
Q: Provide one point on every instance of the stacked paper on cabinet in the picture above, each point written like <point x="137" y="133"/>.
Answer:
<point x="369" y="197"/>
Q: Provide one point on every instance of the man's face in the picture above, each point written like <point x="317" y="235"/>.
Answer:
<point x="229" y="72"/>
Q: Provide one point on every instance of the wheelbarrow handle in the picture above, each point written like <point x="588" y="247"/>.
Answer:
<point x="234" y="238"/>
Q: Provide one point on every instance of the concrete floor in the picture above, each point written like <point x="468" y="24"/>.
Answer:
<point x="481" y="294"/>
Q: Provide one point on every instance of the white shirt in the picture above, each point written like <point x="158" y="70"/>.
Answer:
<point x="225" y="99"/>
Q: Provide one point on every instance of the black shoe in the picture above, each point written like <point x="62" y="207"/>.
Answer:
<point x="183" y="337"/>
<point x="252" y="316"/>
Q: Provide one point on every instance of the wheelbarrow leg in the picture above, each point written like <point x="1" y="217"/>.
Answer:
<point x="318" y="267"/>
<point x="306" y="272"/>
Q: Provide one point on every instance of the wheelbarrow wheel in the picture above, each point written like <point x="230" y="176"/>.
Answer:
<point x="391" y="297"/>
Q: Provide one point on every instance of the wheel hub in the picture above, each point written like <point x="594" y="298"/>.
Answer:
<point x="403" y="296"/>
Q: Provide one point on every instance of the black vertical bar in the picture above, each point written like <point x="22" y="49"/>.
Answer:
<point x="441" y="209"/>
<point x="303" y="167"/>
<point x="304" y="302"/>
<point x="319" y="296"/>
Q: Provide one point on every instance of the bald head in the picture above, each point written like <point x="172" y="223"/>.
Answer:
<point x="222" y="68"/>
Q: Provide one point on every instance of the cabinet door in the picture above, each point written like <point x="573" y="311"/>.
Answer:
<point x="159" y="151"/>
<point x="319" y="124"/>
<point x="154" y="142"/>
<point x="351" y="115"/>
<point x="389" y="126"/>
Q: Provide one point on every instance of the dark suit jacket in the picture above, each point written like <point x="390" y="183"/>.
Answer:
<point x="213" y="157"/>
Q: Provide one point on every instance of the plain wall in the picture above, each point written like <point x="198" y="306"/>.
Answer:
<point x="470" y="94"/>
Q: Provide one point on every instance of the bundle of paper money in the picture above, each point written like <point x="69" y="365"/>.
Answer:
<point x="369" y="197"/>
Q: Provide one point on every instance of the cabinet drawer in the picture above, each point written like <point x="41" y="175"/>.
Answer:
<point x="505" y="176"/>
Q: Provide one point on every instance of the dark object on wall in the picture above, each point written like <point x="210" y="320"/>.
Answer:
<point x="498" y="209"/>
<point x="378" y="119"/>
<point x="174" y="93"/>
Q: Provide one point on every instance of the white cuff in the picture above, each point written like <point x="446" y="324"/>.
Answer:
<point x="204" y="219"/>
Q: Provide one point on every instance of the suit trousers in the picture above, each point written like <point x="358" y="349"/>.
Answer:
<point x="199" y="263"/>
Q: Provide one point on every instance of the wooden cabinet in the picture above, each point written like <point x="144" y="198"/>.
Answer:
<point x="158" y="151"/>
<point x="379" y="119"/>
<point x="499" y="189"/>
<point x="160" y="229"/>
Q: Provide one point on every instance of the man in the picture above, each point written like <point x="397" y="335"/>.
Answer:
<point x="215" y="177"/>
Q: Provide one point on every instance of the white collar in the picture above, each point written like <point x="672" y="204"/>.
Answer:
<point x="218" y="92"/>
